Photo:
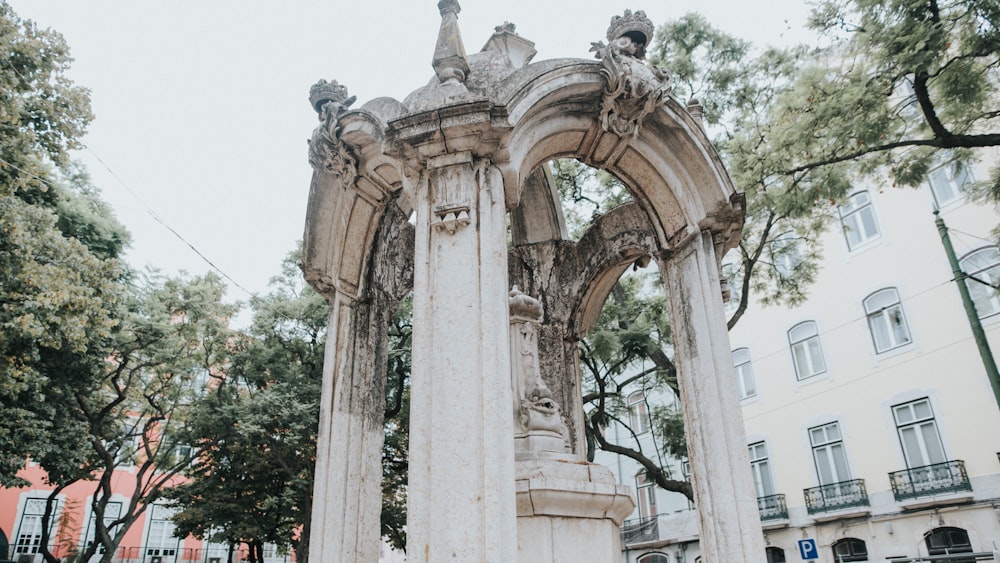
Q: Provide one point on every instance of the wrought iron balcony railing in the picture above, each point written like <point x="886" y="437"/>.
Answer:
<point x="936" y="479"/>
<point x="836" y="496"/>
<point x="772" y="507"/>
<point x="640" y="530"/>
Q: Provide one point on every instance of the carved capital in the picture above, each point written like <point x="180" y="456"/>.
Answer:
<point x="452" y="185"/>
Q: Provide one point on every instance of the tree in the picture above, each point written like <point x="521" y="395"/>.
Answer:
<point x="174" y="335"/>
<point x="257" y="428"/>
<point x="905" y="85"/>
<point x="61" y="299"/>
<point x="395" y="451"/>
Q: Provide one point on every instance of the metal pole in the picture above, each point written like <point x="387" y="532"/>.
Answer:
<point x="970" y="309"/>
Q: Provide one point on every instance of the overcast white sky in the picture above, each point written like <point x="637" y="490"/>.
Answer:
<point x="202" y="110"/>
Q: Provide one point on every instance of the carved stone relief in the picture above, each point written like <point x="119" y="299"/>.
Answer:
<point x="326" y="151"/>
<point x="633" y="90"/>
<point x="539" y="426"/>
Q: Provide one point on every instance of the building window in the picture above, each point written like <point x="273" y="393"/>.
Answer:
<point x="945" y="541"/>
<point x="850" y="549"/>
<point x="918" y="434"/>
<point x="761" y="470"/>
<point x="983" y="268"/>
<point x="828" y="454"/>
<point x="784" y="251"/>
<point x="160" y="540"/>
<point x="744" y="372"/>
<point x="886" y="321"/>
<point x="857" y="216"/>
<point x="653" y="558"/>
<point x="111" y="513"/>
<point x="29" y="531"/>
<point x="638" y="412"/>
<point x="646" y="493"/>
<point x="948" y="182"/>
<point x="806" y="351"/>
<point x="775" y="555"/>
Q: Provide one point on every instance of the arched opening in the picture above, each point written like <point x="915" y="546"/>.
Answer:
<point x="947" y="541"/>
<point x="850" y="549"/>
<point x="653" y="558"/>
<point x="775" y="555"/>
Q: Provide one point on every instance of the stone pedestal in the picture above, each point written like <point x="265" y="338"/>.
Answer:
<point x="569" y="511"/>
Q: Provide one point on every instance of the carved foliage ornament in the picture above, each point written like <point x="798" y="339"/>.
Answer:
<point x="326" y="151"/>
<point x="633" y="90"/>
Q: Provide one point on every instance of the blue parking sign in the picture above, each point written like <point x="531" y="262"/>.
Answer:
<point x="807" y="549"/>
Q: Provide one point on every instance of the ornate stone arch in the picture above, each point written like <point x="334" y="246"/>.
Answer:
<point x="460" y="152"/>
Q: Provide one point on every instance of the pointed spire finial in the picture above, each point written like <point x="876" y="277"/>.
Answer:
<point x="450" y="63"/>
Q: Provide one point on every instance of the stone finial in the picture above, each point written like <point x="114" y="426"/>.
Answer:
<point x="696" y="110"/>
<point x="506" y="27"/>
<point x="635" y="27"/>
<point x="450" y="63"/>
<point x="323" y="92"/>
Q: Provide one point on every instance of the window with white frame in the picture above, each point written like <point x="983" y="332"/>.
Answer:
<point x="784" y="252"/>
<point x="638" y="412"/>
<point x="775" y="555"/>
<point x="807" y="354"/>
<point x="828" y="454"/>
<point x="686" y="473"/>
<point x="949" y="182"/>
<point x="29" y="529"/>
<point x="111" y="513"/>
<point x="744" y="372"/>
<point x="982" y="267"/>
<point x="760" y="469"/>
<point x="272" y="554"/>
<point x="886" y="321"/>
<point x="160" y="540"/>
<point x="918" y="433"/>
<point x="646" y="493"/>
<point x="857" y="216"/>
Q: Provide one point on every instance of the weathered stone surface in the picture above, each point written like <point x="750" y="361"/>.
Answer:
<point x="459" y="153"/>
<point x="348" y="490"/>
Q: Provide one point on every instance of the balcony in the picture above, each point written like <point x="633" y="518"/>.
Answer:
<point x="640" y="530"/>
<point x="772" y="507"/>
<point x="837" y="500"/>
<point x="947" y="482"/>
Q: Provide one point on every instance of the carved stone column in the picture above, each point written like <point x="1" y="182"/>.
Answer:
<point x="348" y="489"/>
<point x="461" y="470"/>
<point x="730" y="523"/>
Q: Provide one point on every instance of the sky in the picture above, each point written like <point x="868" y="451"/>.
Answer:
<point x="202" y="113"/>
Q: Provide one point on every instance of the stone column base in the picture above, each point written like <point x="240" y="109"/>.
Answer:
<point x="569" y="511"/>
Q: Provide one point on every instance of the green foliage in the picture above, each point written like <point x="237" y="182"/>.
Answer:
<point x="43" y="114"/>
<point x="256" y="429"/>
<point x="668" y="426"/>
<point x="904" y="84"/>
<point x="395" y="451"/>
<point x="588" y="191"/>
<point x="60" y="309"/>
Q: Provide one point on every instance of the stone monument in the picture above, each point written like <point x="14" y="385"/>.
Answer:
<point x="497" y="469"/>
